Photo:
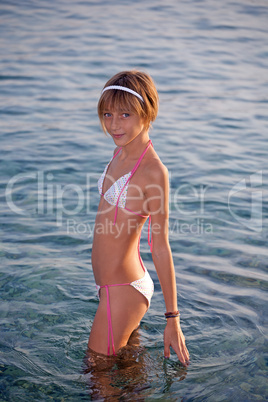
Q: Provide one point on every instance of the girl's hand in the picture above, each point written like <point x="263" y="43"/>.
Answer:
<point x="173" y="337"/>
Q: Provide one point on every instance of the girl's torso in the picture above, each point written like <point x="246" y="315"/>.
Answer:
<point x="121" y="214"/>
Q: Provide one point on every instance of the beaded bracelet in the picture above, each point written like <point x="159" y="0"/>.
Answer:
<point x="172" y="314"/>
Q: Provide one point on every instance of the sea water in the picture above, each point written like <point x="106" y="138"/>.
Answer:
<point x="209" y="60"/>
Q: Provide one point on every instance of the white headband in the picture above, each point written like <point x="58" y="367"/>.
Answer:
<point x="124" y="89"/>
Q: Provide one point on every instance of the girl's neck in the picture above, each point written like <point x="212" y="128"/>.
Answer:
<point x="135" y="147"/>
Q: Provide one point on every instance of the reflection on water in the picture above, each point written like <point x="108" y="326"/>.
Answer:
<point x="127" y="374"/>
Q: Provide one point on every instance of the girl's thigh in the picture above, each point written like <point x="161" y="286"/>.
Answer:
<point x="127" y="306"/>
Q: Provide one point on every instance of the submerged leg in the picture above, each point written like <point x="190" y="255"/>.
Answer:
<point x="127" y="307"/>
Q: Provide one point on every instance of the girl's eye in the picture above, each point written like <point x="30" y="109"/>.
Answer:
<point x="125" y="114"/>
<point x="107" y="114"/>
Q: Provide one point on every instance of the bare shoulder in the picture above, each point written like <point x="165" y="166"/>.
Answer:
<point x="155" y="171"/>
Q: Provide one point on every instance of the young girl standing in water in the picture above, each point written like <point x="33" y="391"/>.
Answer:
<point x="133" y="187"/>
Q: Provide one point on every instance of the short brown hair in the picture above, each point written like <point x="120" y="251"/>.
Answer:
<point x="139" y="82"/>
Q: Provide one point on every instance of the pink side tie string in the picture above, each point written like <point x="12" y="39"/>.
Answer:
<point x="109" y="317"/>
<point x="150" y="236"/>
<point x="110" y="328"/>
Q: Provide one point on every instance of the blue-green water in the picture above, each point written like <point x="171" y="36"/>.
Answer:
<point x="209" y="60"/>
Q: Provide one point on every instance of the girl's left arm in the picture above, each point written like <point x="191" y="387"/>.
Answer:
<point x="157" y="198"/>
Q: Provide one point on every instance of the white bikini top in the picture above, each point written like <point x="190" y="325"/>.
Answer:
<point x="117" y="194"/>
<point x="117" y="188"/>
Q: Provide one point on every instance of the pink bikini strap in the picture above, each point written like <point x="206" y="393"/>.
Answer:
<point x="117" y="152"/>
<point x="150" y="237"/>
<point x="110" y="328"/>
<point x="136" y="213"/>
<point x="109" y="317"/>
<point x="132" y="173"/>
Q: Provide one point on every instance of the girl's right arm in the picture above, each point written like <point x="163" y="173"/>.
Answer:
<point x="157" y="193"/>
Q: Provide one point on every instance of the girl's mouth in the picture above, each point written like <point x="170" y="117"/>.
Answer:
<point x="118" y="135"/>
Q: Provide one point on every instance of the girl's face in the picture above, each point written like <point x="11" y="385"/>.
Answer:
<point x="123" y="125"/>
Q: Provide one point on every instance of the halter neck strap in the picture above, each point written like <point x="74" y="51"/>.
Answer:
<point x="132" y="173"/>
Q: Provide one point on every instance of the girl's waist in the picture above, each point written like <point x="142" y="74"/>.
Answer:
<point x="111" y="274"/>
<point x="115" y="253"/>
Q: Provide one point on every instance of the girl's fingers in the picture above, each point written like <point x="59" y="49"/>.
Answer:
<point x="166" y="351"/>
<point x="183" y="354"/>
<point x="176" y="340"/>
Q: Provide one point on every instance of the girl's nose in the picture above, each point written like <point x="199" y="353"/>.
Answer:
<point x="115" y="123"/>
